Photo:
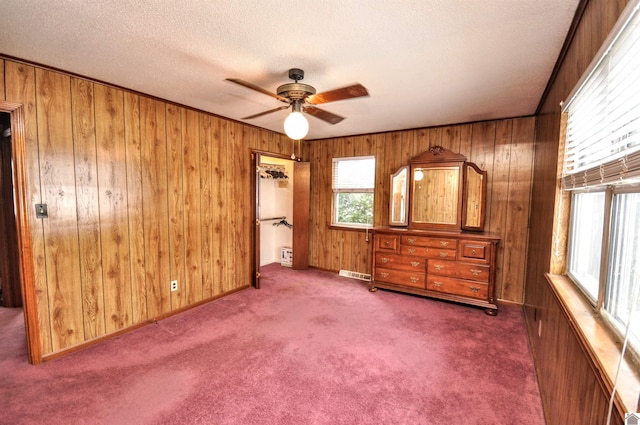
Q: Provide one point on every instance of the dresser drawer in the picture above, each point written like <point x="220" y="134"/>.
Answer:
<point x="402" y="262"/>
<point x="441" y="254"/>
<point x="475" y="251"/>
<point x="419" y="251"/>
<point x="461" y="270"/>
<point x="389" y="243"/>
<point x="475" y="272"/>
<point x="400" y="277"/>
<point x="429" y="242"/>
<point x="458" y="287"/>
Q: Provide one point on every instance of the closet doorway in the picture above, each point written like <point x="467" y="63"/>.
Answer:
<point x="10" y="286"/>
<point x="281" y="214"/>
<point x="17" y="212"/>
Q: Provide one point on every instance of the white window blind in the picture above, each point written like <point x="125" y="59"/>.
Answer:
<point x="355" y="173"/>
<point x="603" y="117"/>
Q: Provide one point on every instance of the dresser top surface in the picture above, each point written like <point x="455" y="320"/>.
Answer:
<point x="436" y="233"/>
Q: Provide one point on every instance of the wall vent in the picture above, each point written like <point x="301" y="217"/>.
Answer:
<point x="355" y="275"/>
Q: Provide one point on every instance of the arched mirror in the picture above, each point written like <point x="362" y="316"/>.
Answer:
<point x="445" y="192"/>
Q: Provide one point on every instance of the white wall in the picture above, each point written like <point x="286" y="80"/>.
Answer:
<point x="275" y="201"/>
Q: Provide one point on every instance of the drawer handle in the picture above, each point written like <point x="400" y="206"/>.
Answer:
<point x="384" y="260"/>
<point x="437" y="284"/>
<point x="438" y="266"/>
<point x="473" y="252"/>
<point x="384" y="274"/>
<point x="414" y="279"/>
<point x="474" y="289"/>
<point x="444" y="243"/>
<point x="475" y="272"/>
<point x="444" y="254"/>
<point x="387" y="243"/>
<point x="411" y="250"/>
<point x="411" y="240"/>
<point x="415" y="263"/>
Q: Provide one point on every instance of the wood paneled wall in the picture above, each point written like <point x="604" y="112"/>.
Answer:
<point x="139" y="192"/>
<point x="504" y="148"/>
<point x="567" y="384"/>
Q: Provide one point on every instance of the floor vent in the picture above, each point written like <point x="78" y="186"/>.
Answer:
<point x="355" y="275"/>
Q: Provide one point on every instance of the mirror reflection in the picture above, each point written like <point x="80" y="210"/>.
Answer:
<point x="435" y="195"/>
<point x="399" y="197"/>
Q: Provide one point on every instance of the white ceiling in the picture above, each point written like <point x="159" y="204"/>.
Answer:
<point x="424" y="62"/>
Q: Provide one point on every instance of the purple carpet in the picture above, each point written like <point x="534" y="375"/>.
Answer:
<point x="308" y="348"/>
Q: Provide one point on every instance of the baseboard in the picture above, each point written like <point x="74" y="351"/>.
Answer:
<point x="86" y="344"/>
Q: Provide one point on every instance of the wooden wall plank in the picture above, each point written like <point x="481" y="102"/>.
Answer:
<point x="192" y="200"/>
<point x="135" y="207"/>
<point x="20" y="87"/>
<point x="55" y="139"/>
<point x="206" y="204"/>
<point x="497" y="216"/>
<point x="220" y="199"/>
<point x="517" y="209"/>
<point x="114" y="224"/>
<point x="88" y="207"/>
<point x="156" y="213"/>
<point x="175" y="158"/>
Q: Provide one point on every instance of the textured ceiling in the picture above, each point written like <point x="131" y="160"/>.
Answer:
<point x="425" y="63"/>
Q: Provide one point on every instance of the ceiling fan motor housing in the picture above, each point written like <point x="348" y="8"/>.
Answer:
<point x="295" y="91"/>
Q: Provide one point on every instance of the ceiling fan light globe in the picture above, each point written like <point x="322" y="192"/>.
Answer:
<point x="296" y="126"/>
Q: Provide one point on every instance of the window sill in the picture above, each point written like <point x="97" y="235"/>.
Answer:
<point x="599" y="342"/>
<point x="349" y="228"/>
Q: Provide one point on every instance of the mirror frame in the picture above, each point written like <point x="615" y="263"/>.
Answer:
<point x="481" y="191"/>
<point x="403" y="220"/>
<point x="439" y="157"/>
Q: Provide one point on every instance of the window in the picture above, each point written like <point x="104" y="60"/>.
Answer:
<point x="353" y="183"/>
<point x="585" y="236"/>
<point x="602" y="170"/>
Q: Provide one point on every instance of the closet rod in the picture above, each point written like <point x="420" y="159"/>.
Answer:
<point x="273" y="218"/>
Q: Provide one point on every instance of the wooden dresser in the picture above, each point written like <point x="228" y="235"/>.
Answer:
<point x="455" y="266"/>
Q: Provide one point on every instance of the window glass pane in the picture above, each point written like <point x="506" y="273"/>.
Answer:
<point x="587" y="217"/>
<point x="354" y="173"/>
<point x="623" y="283"/>
<point x="354" y="208"/>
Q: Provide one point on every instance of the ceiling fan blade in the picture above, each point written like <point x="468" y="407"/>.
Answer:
<point x="257" y="88"/>
<point x="265" y="112"/>
<point x="329" y="117"/>
<point x="356" y="90"/>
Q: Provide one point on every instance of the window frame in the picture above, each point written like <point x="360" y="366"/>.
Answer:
<point x="335" y="192"/>
<point x="598" y="304"/>
<point x="614" y="173"/>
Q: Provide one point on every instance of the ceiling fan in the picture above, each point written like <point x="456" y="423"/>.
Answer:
<point x="302" y="98"/>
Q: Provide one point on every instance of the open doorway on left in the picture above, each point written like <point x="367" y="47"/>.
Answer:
<point x="10" y="287"/>
<point x="275" y="207"/>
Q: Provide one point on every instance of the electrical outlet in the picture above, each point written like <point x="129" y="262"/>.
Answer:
<point x="539" y="328"/>
<point x="174" y="285"/>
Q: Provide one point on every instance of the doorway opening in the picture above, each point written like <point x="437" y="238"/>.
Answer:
<point x="275" y="203"/>
<point x="16" y="210"/>
<point x="281" y="193"/>
<point x="10" y="284"/>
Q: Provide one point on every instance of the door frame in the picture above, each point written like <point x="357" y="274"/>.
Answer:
<point x="25" y="248"/>
<point x="255" y="210"/>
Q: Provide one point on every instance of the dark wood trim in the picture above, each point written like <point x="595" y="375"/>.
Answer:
<point x="27" y="275"/>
